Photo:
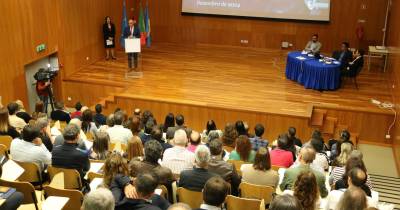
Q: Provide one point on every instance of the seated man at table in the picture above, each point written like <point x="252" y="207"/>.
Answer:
<point x="313" y="46"/>
<point x="356" y="65"/>
<point x="344" y="56"/>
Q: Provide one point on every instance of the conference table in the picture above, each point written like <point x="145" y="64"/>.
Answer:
<point x="312" y="73"/>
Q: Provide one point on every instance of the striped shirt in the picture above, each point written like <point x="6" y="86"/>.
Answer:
<point x="178" y="159"/>
<point x="337" y="174"/>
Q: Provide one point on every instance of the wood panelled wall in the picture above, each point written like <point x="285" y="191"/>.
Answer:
<point x="168" y="25"/>
<point x="394" y="69"/>
<point x="71" y="28"/>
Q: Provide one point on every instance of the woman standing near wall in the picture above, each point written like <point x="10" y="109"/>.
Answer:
<point x="109" y="37"/>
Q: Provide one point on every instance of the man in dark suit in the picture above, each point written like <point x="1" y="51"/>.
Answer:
<point x="344" y="56"/>
<point x="356" y="65"/>
<point x="130" y="32"/>
<point x="68" y="155"/>
<point x="196" y="178"/>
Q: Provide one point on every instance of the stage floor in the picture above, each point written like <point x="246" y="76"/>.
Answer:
<point x="237" y="78"/>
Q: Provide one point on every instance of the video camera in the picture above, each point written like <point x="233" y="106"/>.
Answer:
<point x="45" y="74"/>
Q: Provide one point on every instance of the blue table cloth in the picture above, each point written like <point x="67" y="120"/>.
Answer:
<point x="311" y="73"/>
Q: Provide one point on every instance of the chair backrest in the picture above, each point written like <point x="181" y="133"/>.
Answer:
<point x="256" y="191"/>
<point x="193" y="198"/>
<point x="238" y="164"/>
<point x="89" y="136"/>
<point x="63" y="124"/>
<point x="164" y="191"/>
<point x="31" y="174"/>
<point x="25" y="188"/>
<point x="275" y="168"/>
<point x="92" y="175"/>
<point x="75" y="197"/>
<point x="6" y="140"/>
<point x="112" y="147"/>
<point x="235" y="203"/>
<point x="72" y="179"/>
<point x="3" y="150"/>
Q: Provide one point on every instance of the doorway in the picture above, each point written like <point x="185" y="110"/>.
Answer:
<point x="30" y="71"/>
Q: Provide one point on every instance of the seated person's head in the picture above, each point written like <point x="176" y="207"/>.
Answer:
<point x="148" y="128"/>
<point x="153" y="151"/>
<point x="262" y="161"/>
<point x="59" y="105"/>
<point x="202" y="156"/>
<point x="157" y="134"/>
<point x="76" y="122"/>
<point x="99" y="199"/>
<point x="180" y="138"/>
<point x="78" y="106"/>
<point x="119" y="118"/>
<point x="179" y="206"/>
<point x="240" y="128"/>
<point x="357" y="177"/>
<point x="180" y="120"/>
<point x="360" y="52"/>
<point x="13" y="108"/>
<point x="285" y="202"/>
<point x="110" y="120"/>
<point x="195" y="138"/>
<point x="317" y="144"/>
<point x="306" y="189"/>
<point x="353" y="198"/>
<point x="98" y="108"/>
<point x="345" y="46"/>
<point x="42" y="124"/>
<point x="211" y="126"/>
<point x="31" y="134"/>
<point x="292" y="131"/>
<point x="216" y="147"/>
<point x="356" y="154"/>
<point x="71" y="133"/>
<point x="259" y="130"/>
<point x="213" y="135"/>
<point x="307" y="154"/>
<point x="170" y="134"/>
<point x="345" y="136"/>
<point x="215" y="191"/>
<point x="145" y="184"/>
<point x="283" y="141"/>
<point x="115" y="164"/>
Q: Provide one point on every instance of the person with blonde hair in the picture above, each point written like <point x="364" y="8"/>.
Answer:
<point x="5" y="127"/>
<point x="346" y="149"/>
<point x="135" y="148"/>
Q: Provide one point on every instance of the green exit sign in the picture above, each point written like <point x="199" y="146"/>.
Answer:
<point x="40" y="47"/>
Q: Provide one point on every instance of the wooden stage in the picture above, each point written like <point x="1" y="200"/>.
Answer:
<point x="234" y="79"/>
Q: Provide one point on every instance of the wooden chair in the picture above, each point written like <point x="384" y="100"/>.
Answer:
<point x="72" y="179"/>
<point x="92" y="175"/>
<point x="256" y="191"/>
<point x="193" y="198"/>
<point x="112" y="147"/>
<point x="164" y="191"/>
<point x="25" y="188"/>
<point x="75" y="197"/>
<point x="4" y="150"/>
<point x="6" y="141"/>
<point x="32" y="174"/>
<point x="89" y="136"/>
<point x="63" y="124"/>
<point x="276" y="168"/>
<point x="238" y="164"/>
<point x="235" y="203"/>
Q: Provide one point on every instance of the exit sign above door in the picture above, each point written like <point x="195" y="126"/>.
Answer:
<point x="40" y="48"/>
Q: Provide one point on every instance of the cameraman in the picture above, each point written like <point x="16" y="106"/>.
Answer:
<point x="43" y="88"/>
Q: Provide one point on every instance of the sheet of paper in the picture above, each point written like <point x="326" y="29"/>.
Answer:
<point x="11" y="171"/>
<point x="158" y="191"/>
<point x="54" y="203"/>
<point x="132" y="45"/>
<point x="95" y="167"/>
<point x="58" y="181"/>
<point x="95" y="183"/>
<point x="109" y="42"/>
<point x="301" y="58"/>
<point x="281" y="173"/>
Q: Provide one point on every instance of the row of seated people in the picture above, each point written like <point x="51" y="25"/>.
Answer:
<point x="193" y="162"/>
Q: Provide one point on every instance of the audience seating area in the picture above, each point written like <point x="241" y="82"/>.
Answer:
<point x="233" y="168"/>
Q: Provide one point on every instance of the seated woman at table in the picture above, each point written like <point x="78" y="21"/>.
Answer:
<point x="313" y="46"/>
<point x="356" y="65"/>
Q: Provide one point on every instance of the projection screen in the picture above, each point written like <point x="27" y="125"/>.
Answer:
<point x="312" y="10"/>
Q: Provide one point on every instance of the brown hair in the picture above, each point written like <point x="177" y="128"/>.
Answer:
<point x="262" y="160"/>
<point x="353" y="198"/>
<point x="115" y="164"/>
<point x="306" y="190"/>
<point x="134" y="125"/>
<point x="243" y="147"/>
<point x="230" y="135"/>
<point x="4" y="120"/>
<point x="135" y="148"/>
<point x="100" y="145"/>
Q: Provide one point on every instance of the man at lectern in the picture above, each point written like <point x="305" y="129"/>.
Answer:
<point x="130" y="32"/>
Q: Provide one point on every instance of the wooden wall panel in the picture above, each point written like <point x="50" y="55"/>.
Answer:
<point x="394" y="69"/>
<point x="72" y="28"/>
<point x="168" y="25"/>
